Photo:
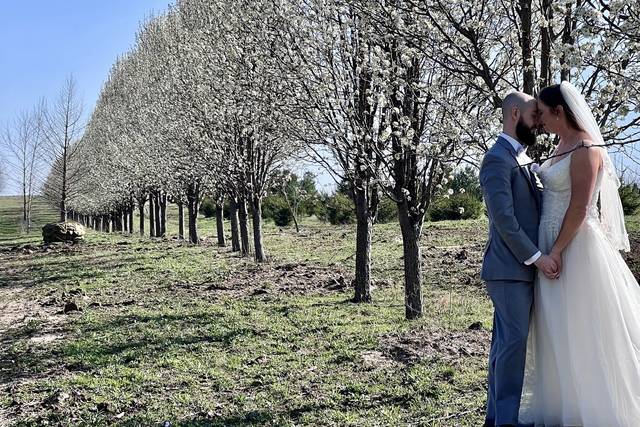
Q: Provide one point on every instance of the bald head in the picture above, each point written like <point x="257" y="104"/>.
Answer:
<point x="519" y="116"/>
<point x="518" y="100"/>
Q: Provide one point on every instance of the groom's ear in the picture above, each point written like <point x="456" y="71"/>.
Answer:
<point x="515" y="114"/>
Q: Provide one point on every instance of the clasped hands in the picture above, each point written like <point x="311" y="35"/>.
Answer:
<point x="550" y="265"/>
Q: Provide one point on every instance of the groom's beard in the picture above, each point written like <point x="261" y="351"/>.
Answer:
<point x="525" y="134"/>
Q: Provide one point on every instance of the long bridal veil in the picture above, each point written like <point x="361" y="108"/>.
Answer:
<point x="611" y="212"/>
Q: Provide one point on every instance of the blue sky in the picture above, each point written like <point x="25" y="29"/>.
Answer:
<point x="43" y="41"/>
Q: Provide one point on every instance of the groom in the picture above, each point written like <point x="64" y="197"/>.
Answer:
<point x="514" y="205"/>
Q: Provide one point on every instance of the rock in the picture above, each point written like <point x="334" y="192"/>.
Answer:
<point x="462" y="255"/>
<point x="475" y="326"/>
<point x="56" y="398"/>
<point x="63" y="232"/>
<point x="104" y="407"/>
<point x="70" y="306"/>
<point x="336" y="284"/>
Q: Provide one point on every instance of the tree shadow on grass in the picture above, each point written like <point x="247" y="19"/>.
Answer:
<point x="14" y="274"/>
<point x="247" y="418"/>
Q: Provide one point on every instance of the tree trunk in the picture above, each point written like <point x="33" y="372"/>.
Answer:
<point x="180" y="221"/>
<point x="193" y="200"/>
<point x="235" y="225"/>
<point x="63" y="193"/>
<point x="364" y="228"/>
<point x="545" y="49"/>
<point x="131" y="211"/>
<point x="24" y="204"/>
<point x="156" y="213"/>
<point x="220" y="225"/>
<point x="163" y="214"/>
<point x="123" y="220"/>
<point x="152" y="217"/>
<point x="256" y="212"/>
<point x="568" y="39"/>
<point x="244" y="227"/>
<point x="412" y="263"/>
<point x="295" y="223"/>
<point x="524" y="11"/>
<point x="141" y="219"/>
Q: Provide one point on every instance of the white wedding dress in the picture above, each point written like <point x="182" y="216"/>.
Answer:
<point x="583" y="360"/>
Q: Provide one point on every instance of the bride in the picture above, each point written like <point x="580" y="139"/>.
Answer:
<point x="583" y="361"/>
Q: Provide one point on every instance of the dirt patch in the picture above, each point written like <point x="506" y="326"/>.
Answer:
<point x="30" y="249"/>
<point x="252" y="280"/>
<point x="436" y="344"/>
<point x="45" y="339"/>
<point x="454" y="263"/>
<point x="378" y="360"/>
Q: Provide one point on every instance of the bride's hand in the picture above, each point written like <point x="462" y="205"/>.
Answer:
<point x="548" y="266"/>
<point x="557" y="258"/>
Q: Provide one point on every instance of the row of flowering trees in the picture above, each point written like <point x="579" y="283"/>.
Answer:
<point x="388" y="95"/>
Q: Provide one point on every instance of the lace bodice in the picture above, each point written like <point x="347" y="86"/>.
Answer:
<point x="556" y="180"/>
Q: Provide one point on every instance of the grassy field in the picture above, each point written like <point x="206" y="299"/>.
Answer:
<point x="196" y="336"/>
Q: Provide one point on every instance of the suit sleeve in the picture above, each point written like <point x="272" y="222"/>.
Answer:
<point x="495" y="179"/>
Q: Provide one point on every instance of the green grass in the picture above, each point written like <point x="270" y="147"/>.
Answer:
<point x="198" y="336"/>
<point x="11" y="225"/>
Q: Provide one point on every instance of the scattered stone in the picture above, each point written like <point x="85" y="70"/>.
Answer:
<point x="336" y="284"/>
<point x="70" y="306"/>
<point x="63" y="232"/>
<point x="462" y="255"/>
<point x="56" y="398"/>
<point x="215" y="287"/>
<point x="104" y="407"/>
<point x="287" y="267"/>
<point x="433" y="343"/>
<point x="50" y="302"/>
<point x="475" y="326"/>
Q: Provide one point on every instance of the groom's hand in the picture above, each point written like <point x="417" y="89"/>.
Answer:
<point x="557" y="258"/>
<point x="548" y="266"/>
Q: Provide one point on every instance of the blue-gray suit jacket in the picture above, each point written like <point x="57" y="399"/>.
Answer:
<point x="514" y="205"/>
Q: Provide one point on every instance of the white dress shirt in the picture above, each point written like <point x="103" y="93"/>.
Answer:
<point x="522" y="159"/>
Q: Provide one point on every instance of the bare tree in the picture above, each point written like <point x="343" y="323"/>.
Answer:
<point x="3" y="178"/>
<point x="23" y="138"/>
<point x="63" y="128"/>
